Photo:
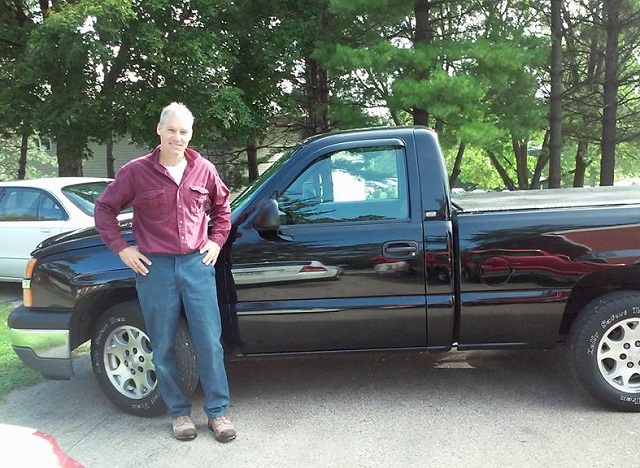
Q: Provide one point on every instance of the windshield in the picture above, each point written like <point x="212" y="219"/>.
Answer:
<point x="247" y="193"/>
<point x="84" y="195"/>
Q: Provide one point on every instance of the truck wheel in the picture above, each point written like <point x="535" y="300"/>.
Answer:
<point x="121" y="356"/>
<point x="604" y="349"/>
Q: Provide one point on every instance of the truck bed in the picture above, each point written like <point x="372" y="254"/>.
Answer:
<point x="549" y="198"/>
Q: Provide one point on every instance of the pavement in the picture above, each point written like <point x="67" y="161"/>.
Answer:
<point x="473" y="409"/>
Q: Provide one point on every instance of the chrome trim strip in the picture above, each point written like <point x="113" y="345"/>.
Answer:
<point x="49" y="344"/>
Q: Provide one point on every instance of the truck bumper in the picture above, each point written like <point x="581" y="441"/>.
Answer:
<point x="41" y="341"/>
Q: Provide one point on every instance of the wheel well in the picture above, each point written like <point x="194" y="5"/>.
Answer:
<point x="90" y="307"/>
<point x="595" y="285"/>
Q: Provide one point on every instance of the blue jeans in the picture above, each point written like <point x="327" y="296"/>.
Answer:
<point x="173" y="281"/>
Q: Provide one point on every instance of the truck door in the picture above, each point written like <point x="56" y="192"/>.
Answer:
<point x="346" y="267"/>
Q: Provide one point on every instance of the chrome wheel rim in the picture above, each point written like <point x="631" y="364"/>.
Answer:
<point x="128" y="362"/>
<point x="619" y="356"/>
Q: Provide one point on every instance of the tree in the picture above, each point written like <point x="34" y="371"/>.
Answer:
<point x="610" y="92"/>
<point x="479" y="72"/>
<point x="106" y="68"/>
<point x="19" y="87"/>
<point x="57" y="49"/>
<point x="582" y="76"/>
<point x="315" y="93"/>
<point x="12" y="148"/>
<point x="262" y="41"/>
<point x="555" y="104"/>
<point x="473" y="80"/>
<point x="587" y="75"/>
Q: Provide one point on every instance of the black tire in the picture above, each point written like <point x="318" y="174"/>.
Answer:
<point x="131" y="384"/>
<point x="603" y="350"/>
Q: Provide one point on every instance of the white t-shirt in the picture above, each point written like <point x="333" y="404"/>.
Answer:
<point x="177" y="170"/>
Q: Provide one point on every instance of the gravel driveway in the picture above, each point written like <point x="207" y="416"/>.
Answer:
<point x="472" y="409"/>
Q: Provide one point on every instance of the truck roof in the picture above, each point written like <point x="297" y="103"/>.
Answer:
<point x="549" y="198"/>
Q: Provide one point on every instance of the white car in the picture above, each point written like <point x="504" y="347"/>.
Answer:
<point x="33" y="210"/>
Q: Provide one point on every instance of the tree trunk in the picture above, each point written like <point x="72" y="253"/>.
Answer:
<point x="610" y="92"/>
<point x="581" y="163"/>
<point x="252" y="157"/>
<point x="423" y="36"/>
<point x="317" y="87"/>
<point x="24" y="149"/>
<point x="395" y="117"/>
<point x="420" y="116"/>
<point x="520" y="152"/>
<point x="317" y="94"/>
<point x="455" y="172"/>
<point x="585" y="80"/>
<point x="555" y="108"/>
<point x="70" y="154"/>
<point x="543" y="159"/>
<point x="111" y="159"/>
<point x="503" y="174"/>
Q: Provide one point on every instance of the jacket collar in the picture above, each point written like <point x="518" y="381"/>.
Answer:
<point x="190" y="155"/>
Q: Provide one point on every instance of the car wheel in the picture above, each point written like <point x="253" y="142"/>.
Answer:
<point x="604" y="349"/>
<point x="122" y="360"/>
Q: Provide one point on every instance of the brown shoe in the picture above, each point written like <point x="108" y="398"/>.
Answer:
<point x="184" y="428"/>
<point x="222" y="428"/>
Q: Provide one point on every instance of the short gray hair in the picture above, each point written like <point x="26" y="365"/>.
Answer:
<point x="176" y="108"/>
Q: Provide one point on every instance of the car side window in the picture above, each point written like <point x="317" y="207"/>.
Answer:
<point x="49" y="209"/>
<point x="27" y="204"/>
<point x="361" y="184"/>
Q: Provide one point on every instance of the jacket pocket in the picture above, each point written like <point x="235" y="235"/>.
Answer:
<point x="153" y="203"/>
<point x="199" y="198"/>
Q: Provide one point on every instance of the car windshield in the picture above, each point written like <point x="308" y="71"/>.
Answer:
<point x="84" y="195"/>
<point x="246" y="194"/>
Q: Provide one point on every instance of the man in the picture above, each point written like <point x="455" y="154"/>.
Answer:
<point x="171" y="190"/>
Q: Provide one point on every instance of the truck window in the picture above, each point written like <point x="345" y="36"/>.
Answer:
<point x="362" y="184"/>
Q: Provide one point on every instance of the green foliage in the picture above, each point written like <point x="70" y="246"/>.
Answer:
<point x="477" y="171"/>
<point x="39" y="162"/>
<point x="447" y="97"/>
<point x="476" y="79"/>
<point x="88" y="70"/>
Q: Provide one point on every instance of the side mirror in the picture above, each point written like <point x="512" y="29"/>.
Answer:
<point x="268" y="217"/>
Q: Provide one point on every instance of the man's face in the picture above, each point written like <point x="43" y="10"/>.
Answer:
<point x="175" y="134"/>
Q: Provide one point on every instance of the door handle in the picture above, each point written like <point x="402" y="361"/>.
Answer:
<point x="400" y="249"/>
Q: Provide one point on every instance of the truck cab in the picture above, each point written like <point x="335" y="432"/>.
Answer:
<point x="362" y="218"/>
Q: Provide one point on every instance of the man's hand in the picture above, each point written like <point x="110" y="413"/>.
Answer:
<point x="211" y="251"/>
<point x="132" y="257"/>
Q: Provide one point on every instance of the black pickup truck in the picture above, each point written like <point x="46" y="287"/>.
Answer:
<point x="352" y="242"/>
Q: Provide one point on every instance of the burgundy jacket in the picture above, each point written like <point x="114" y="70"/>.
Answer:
<point x="167" y="218"/>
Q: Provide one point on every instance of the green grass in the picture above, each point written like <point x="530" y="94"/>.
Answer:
<point x="13" y="374"/>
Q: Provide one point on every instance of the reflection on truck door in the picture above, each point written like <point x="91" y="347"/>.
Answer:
<point x="347" y="214"/>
